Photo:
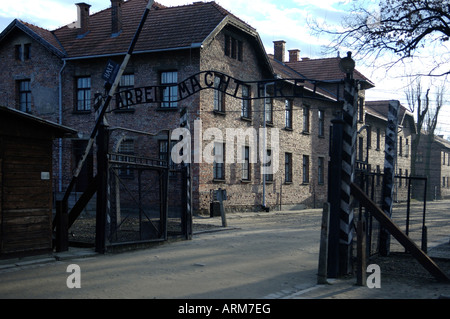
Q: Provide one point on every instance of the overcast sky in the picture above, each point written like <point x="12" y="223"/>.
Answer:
<point x="273" y="19"/>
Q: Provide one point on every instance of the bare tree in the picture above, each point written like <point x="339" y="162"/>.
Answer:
<point x="399" y="27"/>
<point x="426" y="114"/>
<point x="419" y="106"/>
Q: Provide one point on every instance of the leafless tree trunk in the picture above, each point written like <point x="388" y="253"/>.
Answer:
<point x="427" y="120"/>
<point x="415" y="104"/>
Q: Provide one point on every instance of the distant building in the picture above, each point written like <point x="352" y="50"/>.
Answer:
<point x="432" y="161"/>
<point x="371" y="143"/>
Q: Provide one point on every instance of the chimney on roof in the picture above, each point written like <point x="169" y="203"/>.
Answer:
<point x="294" y="55"/>
<point x="116" y="16"/>
<point x="83" y="18"/>
<point x="279" y="50"/>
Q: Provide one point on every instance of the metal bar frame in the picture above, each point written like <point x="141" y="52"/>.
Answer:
<point x="390" y="226"/>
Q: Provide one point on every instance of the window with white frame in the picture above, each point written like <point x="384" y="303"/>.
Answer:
<point x="219" y="161"/>
<point x="170" y="92"/>
<point x="83" y="88"/>
<point x="268" y="110"/>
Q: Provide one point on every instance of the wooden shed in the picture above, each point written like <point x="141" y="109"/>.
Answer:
<point x="26" y="202"/>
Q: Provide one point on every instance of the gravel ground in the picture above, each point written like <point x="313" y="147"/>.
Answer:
<point x="402" y="277"/>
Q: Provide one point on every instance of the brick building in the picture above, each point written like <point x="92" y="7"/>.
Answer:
<point x="433" y="161"/>
<point x="371" y="143"/>
<point x="57" y="75"/>
<point x="309" y="138"/>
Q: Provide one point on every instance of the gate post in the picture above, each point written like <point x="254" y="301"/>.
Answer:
<point x="322" y="273"/>
<point x="334" y="198"/>
<point x="186" y="217"/>
<point x="349" y="136"/>
<point x="102" y="196"/>
<point x="389" y="171"/>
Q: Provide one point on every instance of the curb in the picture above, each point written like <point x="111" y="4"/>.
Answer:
<point x="37" y="260"/>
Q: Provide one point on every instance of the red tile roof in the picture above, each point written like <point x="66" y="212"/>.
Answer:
<point x="46" y="35"/>
<point x="43" y="36"/>
<point x="326" y="69"/>
<point x="380" y="110"/>
<point x="285" y="72"/>
<point x="165" y="28"/>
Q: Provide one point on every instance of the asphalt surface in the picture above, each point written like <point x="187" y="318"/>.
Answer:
<point x="257" y="256"/>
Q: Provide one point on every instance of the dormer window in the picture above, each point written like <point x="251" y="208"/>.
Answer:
<point x="233" y="48"/>
<point x="23" y="52"/>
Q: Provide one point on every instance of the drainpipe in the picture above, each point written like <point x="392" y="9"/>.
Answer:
<point x="265" y="142"/>
<point x="60" y="181"/>
<point x="264" y="146"/>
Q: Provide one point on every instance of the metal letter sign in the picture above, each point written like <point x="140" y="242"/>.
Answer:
<point x="283" y="88"/>
<point x="111" y="70"/>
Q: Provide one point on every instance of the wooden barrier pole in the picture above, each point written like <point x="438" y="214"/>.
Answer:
<point x="361" y="267"/>
<point x="323" y="253"/>
<point x="393" y="230"/>
<point x="102" y="198"/>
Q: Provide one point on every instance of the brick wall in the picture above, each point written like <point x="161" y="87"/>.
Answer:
<point x="42" y="69"/>
<point x="249" y="194"/>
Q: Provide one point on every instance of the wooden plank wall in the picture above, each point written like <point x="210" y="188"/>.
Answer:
<point x="27" y="199"/>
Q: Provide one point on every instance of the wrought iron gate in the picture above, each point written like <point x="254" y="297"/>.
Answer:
<point x="408" y="191"/>
<point x="146" y="195"/>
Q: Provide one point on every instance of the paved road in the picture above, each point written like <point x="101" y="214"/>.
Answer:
<point x="267" y="254"/>
<point x="259" y="255"/>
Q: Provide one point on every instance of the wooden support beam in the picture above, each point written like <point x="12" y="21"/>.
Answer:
<point x="361" y="253"/>
<point x="404" y="240"/>
<point x="323" y="251"/>
<point x="83" y="201"/>
<point x="62" y="233"/>
<point x="79" y="205"/>
<point x="102" y="190"/>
